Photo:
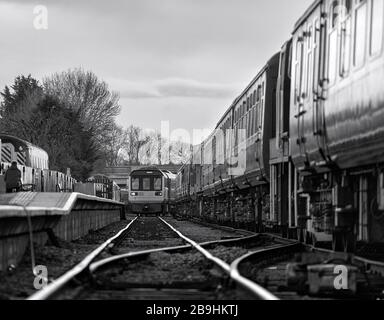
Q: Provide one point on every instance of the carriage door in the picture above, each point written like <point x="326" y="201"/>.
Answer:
<point x="326" y="56"/>
<point x="317" y="76"/>
<point x="299" y="66"/>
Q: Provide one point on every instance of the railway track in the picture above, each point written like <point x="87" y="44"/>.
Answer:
<point x="269" y="268"/>
<point x="151" y="259"/>
<point x="301" y="272"/>
<point x="159" y="263"/>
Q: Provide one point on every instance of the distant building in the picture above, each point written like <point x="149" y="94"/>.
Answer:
<point x="120" y="174"/>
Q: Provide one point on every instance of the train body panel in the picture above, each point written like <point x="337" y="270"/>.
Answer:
<point x="306" y="121"/>
<point x="337" y="98"/>
<point x="354" y="105"/>
<point x="23" y="152"/>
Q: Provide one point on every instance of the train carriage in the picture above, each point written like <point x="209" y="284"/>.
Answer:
<point x="337" y="116"/>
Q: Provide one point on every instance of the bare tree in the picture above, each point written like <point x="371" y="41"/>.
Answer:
<point x="135" y="140"/>
<point x="88" y="97"/>
<point x="114" y="144"/>
<point x="159" y="145"/>
<point x="180" y="152"/>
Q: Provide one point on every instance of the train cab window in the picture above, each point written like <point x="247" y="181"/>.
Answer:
<point x="377" y="13"/>
<point x="157" y="183"/>
<point x="135" y="184"/>
<point x="360" y="32"/>
<point x="146" y="184"/>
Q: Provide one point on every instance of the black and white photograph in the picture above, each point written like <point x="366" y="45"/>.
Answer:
<point x="189" y="156"/>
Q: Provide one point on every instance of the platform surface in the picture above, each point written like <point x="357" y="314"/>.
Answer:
<point x="42" y="203"/>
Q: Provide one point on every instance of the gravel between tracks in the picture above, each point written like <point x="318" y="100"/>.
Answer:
<point x="164" y="270"/>
<point x="18" y="283"/>
<point x="200" y="233"/>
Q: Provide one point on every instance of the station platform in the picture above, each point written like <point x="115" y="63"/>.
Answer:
<point x="68" y="216"/>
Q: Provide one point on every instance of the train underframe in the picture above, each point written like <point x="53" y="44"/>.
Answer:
<point x="245" y="208"/>
<point x="344" y="207"/>
<point x="336" y="209"/>
<point x="157" y="209"/>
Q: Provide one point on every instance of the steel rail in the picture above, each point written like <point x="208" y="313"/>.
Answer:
<point x="104" y="262"/>
<point x="254" y="288"/>
<point x="370" y="265"/>
<point x="223" y="265"/>
<point x="55" y="286"/>
<point x="250" y="285"/>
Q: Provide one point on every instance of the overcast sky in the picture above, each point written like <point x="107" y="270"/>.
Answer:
<point x="183" y="61"/>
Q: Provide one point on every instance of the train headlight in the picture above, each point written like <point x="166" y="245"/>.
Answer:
<point x="133" y="194"/>
<point x="158" y="194"/>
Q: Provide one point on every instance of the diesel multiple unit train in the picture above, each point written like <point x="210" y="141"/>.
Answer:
<point x="301" y="150"/>
<point x="151" y="191"/>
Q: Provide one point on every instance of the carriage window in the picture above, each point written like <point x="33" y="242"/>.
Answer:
<point x="135" y="184"/>
<point x="346" y="32"/>
<point x="261" y="114"/>
<point x="298" y="70"/>
<point x="316" y="41"/>
<point x="146" y="184"/>
<point x="347" y="7"/>
<point x="360" y="25"/>
<point x="250" y="122"/>
<point x="332" y="50"/>
<point x="335" y="13"/>
<point x="377" y="26"/>
<point x="308" y="80"/>
<point x="309" y="74"/>
<point x="157" y="184"/>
